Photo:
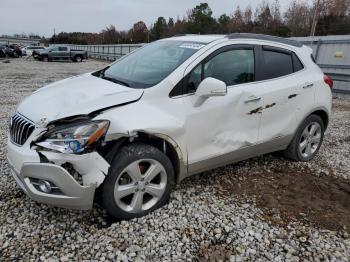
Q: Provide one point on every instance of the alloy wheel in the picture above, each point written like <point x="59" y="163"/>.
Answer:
<point x="140" y="185"/>
<point x="310" y="140"/>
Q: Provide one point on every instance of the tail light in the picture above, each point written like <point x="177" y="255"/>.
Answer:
<point x="328" y="80"/>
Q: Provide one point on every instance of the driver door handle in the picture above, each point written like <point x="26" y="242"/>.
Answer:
<point x="252" y="99"/>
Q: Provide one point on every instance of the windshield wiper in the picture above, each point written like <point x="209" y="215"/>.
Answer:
<point x="114" y="80"/>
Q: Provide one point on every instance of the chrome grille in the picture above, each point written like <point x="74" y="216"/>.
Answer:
<point x="20" y="129"/>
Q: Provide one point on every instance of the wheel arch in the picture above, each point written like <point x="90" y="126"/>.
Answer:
<point x="163" y="142"/>
<point x="323" y="114"/>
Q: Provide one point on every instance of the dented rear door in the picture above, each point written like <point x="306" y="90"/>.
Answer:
<point x="280" y="88"/>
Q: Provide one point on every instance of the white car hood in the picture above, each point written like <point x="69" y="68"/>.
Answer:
<point x="79" y="95"/>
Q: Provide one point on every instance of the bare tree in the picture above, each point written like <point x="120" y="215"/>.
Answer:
<point x="237" y="21"/>
<point x="139" y="33"/>
<point x="298" y="18"/>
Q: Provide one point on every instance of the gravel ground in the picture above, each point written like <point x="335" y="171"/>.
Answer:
<point x="212" y="216"/>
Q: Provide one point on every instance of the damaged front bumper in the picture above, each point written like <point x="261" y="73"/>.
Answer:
<point x="29" y="172"/>
<point x="69" y="193"/>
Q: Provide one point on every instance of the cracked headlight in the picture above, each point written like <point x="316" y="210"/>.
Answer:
<point x="75" y="138"/>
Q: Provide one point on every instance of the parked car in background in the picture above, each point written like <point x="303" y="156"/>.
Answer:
<point x="17" y="50"/>
<point x="57" y="53"/>
<point x="171" y="109"/>
<point x="28" y="50"/>
<point x="9" y="52"/>
<point x="2" y="51"/>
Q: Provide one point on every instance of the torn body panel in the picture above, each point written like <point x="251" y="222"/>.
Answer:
<point x="91" y="166"/>
<point x="27" y="168"/>
<point x="166" y="124"/>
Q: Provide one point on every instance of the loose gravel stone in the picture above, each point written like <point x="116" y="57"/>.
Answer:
<point x="200" y="222"/>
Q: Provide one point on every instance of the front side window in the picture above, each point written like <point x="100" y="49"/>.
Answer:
<point x="232" y="67"/>
<point x="151" y="64"/>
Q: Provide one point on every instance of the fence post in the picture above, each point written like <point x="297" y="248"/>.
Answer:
<point x="317" y="49"/>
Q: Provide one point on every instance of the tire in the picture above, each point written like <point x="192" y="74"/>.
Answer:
<point x="309" y="136"/>
<point x="78" y="59"/>
<point x="45" y="59"/>
<point x="152" y="193"/>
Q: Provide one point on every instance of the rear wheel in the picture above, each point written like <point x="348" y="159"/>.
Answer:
<point x="139" y="181"/>
<point x="78" y="59"/>
<point x="307" y="140"/>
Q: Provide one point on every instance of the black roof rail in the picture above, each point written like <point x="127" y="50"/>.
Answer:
<point x="265" y="37"/>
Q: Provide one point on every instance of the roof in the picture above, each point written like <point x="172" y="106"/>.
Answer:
<point x="206" y="39"/>
<point x="210" y="38"/>
<point x="265" y="37"/>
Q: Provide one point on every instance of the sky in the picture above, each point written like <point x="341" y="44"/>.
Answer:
<point x="42" y="16"/>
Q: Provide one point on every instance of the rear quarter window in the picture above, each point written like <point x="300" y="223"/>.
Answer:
<point x="297" y="64"/>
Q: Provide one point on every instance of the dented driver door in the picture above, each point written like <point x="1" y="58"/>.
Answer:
<point x="219" y="126"/>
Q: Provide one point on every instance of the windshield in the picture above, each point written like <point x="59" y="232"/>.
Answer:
<point x="151" y="64"/>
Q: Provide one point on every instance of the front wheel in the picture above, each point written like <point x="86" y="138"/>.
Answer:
<point x="45" y="59"/>
<point x="307" y="140"/>
<point x="139" y="181"/>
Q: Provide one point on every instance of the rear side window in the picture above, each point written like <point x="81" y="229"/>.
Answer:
<point x="62" y="48"/>
<point x="277" y="64"/>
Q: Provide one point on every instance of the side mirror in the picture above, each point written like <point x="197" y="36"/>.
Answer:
<point x="209" y="87"/>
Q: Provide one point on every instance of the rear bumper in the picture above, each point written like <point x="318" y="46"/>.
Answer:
<point x="73" y="195"/>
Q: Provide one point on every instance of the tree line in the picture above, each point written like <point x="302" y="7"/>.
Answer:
<point x="333" y="18"/>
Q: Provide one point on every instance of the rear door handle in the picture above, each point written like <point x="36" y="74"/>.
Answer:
<point x="252" y="99"/>
<point x="308" y="85"/>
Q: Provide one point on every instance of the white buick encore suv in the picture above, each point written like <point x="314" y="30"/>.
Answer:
<point x="173" y="108"/>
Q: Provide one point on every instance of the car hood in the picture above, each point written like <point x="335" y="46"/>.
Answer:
<point x="79" y="95"/>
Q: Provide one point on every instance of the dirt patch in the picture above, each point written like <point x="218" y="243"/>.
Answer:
<point x="297" y="194"/>
<point x="341" y="106"/>
<point x="212" y="253"/>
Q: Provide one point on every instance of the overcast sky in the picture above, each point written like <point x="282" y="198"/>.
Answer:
<point x="42" y="16"/>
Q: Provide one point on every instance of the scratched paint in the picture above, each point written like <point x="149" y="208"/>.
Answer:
<point x="292" y="96"/>
<point x="260" y="109"/>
